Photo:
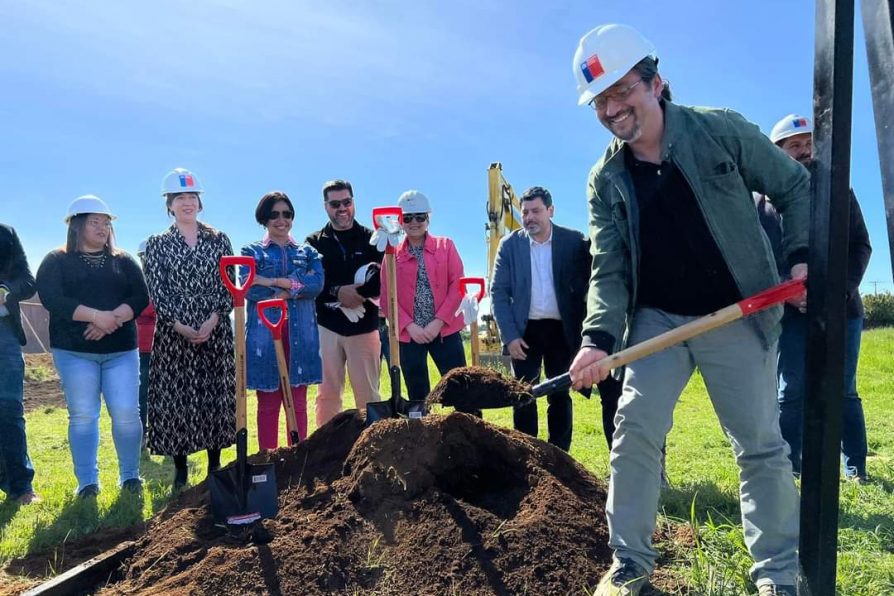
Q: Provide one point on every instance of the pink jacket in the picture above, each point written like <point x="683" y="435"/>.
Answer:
<point x="444" y="269"/>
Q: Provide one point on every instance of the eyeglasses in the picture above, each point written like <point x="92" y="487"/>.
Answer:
<point x="339" y="204"/>
<point x="274" y="215"/>
<point x="417" y="217"/>
<point x="600" y="101"/>
<point x="99" y="223"/>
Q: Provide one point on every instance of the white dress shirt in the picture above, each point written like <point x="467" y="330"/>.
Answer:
<point x="543" y="291"/>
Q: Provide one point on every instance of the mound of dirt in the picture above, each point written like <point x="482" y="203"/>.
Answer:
<point x="446" y="504"/>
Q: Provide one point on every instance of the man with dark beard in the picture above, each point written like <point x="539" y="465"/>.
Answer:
<point x="674" y="236"/>
<point x="794" y="135"/>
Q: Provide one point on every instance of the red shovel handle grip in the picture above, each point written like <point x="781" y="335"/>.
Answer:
<point x="775" y="295"/>
<point x="377" y="211"/>
<point x="264" y="306"/>
<point x="238" y="292"/>
<point x="465" y="282"/>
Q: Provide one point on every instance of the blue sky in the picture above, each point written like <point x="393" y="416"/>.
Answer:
<point x="106" y="97"/>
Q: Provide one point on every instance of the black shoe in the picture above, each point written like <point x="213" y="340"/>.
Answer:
<point x="91" y="490"/>
<point x="133" y="485"/>
<point x="180" y="477"/>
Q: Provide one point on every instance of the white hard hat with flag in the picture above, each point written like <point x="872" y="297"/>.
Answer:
<point x="180" y="180"/>
<point x="791" y="125"/>
<point x="605" y="55"/>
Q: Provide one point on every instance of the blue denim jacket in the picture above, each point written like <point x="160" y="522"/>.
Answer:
<point x="302" y="263"/>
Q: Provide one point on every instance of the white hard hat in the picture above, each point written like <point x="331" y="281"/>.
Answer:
<point x="87" y="204"/>
<point x="413" y="201"/>
<point x="791" y="125"/>
<point x="604" y="56"/>
<point x="141" y="249"/>
<point x="180" y="180"/>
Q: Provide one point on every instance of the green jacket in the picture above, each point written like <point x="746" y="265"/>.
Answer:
<point x="723" y="158"/>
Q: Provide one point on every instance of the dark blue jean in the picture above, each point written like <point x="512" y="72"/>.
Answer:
<point x="447" y="352"/>
<point x="792" y="366"/>
<point x="16" y="471"/>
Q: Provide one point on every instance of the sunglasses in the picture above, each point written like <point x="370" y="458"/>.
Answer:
<point x="274" y="215"/>
<point x="417" y="217"/>
<point x="339" y="204"/>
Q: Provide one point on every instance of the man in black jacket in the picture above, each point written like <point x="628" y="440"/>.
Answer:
<point x="794" y="135"/>
<point x="16" y="284"/>
<point x="347" y="315"/>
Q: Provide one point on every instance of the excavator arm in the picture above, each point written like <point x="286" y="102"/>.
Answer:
<point x="503" y="217"/>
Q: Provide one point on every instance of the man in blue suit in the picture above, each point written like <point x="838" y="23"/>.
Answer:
<point x="539" y="292"/>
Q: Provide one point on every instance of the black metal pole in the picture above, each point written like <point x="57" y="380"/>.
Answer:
<point x="878" y="23"/>
<point x="833" y="83"/>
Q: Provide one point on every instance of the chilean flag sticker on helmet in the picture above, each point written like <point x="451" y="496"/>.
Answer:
<point x="799" y="122"/>
<point x="592" y="68"/>
<point x="186" y="181"/>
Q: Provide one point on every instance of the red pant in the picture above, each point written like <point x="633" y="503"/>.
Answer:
<point x="270" y="403"/>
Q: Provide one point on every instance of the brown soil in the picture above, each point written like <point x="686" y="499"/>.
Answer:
<point x="42" y="388"/>
<point x="471" y="387"/>
<point x="433" y="506"/>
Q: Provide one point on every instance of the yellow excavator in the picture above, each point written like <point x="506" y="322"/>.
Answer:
<point x="503" y="217"/>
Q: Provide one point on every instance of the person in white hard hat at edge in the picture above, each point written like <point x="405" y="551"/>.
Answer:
<point x="428" y="269"/>
<point x="192" y="373"/>
<point x="93" y="291"/>
<point x="794" y="135"/>
<point x="674" y="236"/>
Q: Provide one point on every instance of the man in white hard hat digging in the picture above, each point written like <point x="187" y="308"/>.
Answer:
<point x="674" y="237"/>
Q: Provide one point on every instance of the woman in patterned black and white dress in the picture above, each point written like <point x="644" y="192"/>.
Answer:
<point x="192" y="371"/>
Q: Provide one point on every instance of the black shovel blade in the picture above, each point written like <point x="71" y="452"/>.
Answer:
<point x="380" y="410"/>
<point x="258" y="485"/>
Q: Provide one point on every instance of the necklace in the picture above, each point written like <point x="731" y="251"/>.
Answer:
<point x="95" y="260"/>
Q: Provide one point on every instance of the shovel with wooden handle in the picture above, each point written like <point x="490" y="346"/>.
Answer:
<point x="241" y="493"/>
<point x="281" y="364"/>
<point x="396" y="406"/>
<point x="464" y="283"/>
<point x="743" y="308"/>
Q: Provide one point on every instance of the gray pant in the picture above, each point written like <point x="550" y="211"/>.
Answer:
<point x="740" y="375"/>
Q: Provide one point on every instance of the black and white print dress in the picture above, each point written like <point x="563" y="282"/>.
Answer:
<point x="192" y="404"/>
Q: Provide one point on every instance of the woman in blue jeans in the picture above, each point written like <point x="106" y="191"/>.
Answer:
<point x="92" y="291"/>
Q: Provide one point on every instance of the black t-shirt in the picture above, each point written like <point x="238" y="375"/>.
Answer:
<point x="65" y="281"/>
<point x="681" y="268"/>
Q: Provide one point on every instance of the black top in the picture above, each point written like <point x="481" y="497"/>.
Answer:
<point x="858" y="250"/>
<point x="65" y="281"/>
<point x="681" y="268"/>
<point x="16" y="276"/>
<point x="344" y="252"/>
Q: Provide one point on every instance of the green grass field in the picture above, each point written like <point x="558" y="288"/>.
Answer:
<point x="703" y="552"/>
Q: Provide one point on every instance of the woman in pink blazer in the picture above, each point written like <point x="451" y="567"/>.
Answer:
<point x="428" y="274"/>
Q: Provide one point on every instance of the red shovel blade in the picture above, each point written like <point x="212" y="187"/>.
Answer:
<point x="771" y="296"/>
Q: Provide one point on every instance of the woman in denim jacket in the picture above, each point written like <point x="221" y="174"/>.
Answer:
<point x="284" y="269"/>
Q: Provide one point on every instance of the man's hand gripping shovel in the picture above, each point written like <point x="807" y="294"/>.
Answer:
<point x="758" y="302"/>
<point x="242" y="493"/>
